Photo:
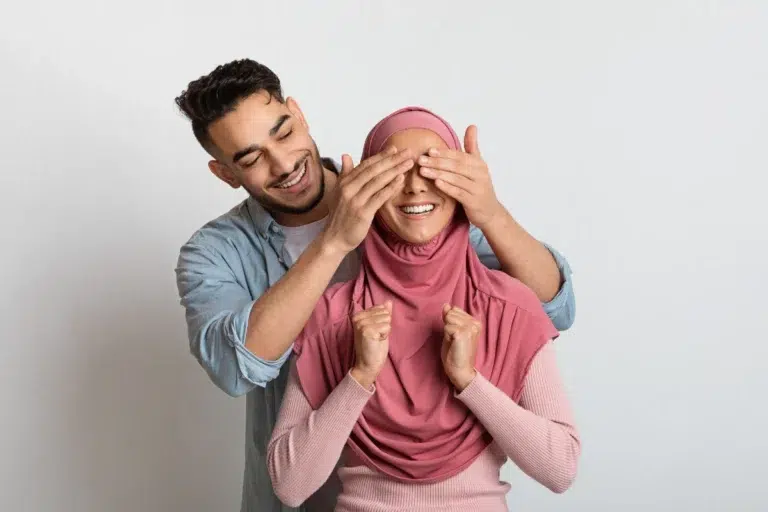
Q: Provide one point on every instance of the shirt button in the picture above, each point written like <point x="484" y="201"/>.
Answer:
<point x="275" y="229"/>
<point x="281" y="260"/>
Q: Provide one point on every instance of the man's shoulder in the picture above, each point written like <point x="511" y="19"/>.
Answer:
<point x="231" y="231"/>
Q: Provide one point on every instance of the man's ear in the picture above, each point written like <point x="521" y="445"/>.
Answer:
<point x="224" y="173"/>
<point x="294" y="109"/>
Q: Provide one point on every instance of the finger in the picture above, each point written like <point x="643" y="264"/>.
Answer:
<point x="388" y="305"/>
<point x="459" y="315"/>
<point x="458" y="165"/>
<point x="378" y="167"/>
<point x="350" y="174"/>
<point x="378" y="157"/>
<point x="379" y="325"/>
<point x="451" y="154"/>
<point x="443" y="163"/>
<point x="457" y="310"/>
<point x="362" y="315"/>
<point x="376" y="331"/>
<point x="372" y="316"/>
<point x="454" y="318"/>
<point x="380" y="181"/>
<point x="470" y="141"/>
<point x="346" y="165"/>
<point x="446" y="309"/>
<point x="372" y="319"/>
<point x="455" y="192"/>
<point x="451" y="329"/>
<point x="378" y="199"/>
<point x="457" y="180"/>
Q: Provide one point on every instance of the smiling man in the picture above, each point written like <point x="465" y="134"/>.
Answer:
<point x="250" y="279"/>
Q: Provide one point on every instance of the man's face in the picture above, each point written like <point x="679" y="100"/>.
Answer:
<point x="264" y="146"/>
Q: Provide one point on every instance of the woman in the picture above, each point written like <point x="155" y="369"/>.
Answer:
<point x="428" y="371"/>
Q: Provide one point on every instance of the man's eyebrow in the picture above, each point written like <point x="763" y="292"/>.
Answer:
<point x="255" y="147"/>
<point x="246" y="151"/>
<point x="278" y="124"/>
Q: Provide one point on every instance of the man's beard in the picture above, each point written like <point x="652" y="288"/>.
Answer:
<point x="273" y="206"/>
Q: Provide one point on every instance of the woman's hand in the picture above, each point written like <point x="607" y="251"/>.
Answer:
<point x="372" y="328"/>
<point x="459" y="346"/>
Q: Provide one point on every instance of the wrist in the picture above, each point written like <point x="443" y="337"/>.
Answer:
<point x="365" y="378"/>
<point x="463" y="379"/>
<point x="330" y="247"/>
<point x="497" y="216"/>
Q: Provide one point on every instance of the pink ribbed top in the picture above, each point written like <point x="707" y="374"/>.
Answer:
<point x="537" y="435"/>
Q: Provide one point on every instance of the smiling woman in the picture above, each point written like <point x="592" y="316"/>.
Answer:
<point x="425" y="373"/>
<point x="421" y="210"/>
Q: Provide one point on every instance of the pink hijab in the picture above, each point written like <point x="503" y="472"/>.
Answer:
<point x="413" y="428"/>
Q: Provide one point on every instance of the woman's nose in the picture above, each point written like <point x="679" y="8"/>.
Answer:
<point x="415" y="183"/>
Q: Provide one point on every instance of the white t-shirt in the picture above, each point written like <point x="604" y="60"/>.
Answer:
<point x="298" y="238"/>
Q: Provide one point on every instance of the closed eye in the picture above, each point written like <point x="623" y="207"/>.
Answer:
<point x="288" y="134"/>
<point x="250" y="164"/>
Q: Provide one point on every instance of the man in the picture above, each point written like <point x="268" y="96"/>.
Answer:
<point x="250" y="279"/>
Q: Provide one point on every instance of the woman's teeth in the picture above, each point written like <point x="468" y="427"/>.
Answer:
<point x="295" y="180"/>
<point x="422" y="208"/>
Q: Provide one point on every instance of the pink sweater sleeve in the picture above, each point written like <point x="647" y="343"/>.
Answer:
<point x="538" y="435"/>
<point x="306" y="444"/>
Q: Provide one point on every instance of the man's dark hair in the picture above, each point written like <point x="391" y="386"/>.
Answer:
<point x="212" y="96"/>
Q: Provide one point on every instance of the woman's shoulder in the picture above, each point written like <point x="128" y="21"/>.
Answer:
<point x="333" y="307"/>
<point x="511" y="291"/>
<point x="513" y="297"/>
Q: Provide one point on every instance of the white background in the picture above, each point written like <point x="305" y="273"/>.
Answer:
<point x="630" y="135"/>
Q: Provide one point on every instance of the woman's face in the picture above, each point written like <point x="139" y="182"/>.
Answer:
<point x="420" y="211"/>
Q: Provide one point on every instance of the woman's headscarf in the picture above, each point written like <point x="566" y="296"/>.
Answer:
<point x="413" y="428"/>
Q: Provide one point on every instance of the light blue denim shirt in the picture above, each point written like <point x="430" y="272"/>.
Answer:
<point x="222" y="270"/>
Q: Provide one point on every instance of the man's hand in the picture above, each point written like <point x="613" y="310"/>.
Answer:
<point x="372" y="328"/>
<point x="459" y="346"/>
<point x="464" y="176"/>
<point x="360" y="192"/>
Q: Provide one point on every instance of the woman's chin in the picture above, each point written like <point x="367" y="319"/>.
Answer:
<point x="417" y="237"/>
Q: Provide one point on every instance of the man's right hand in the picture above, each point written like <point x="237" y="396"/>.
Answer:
<point x="360" y="192"/>
<point x="372" y="328"/>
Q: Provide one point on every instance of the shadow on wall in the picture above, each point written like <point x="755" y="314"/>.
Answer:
<point x="110" y="411"/>
<point x="147" y="429"/>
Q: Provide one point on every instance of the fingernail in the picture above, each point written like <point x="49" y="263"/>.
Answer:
<point x="392" y="150"/>
<point x="426" y="171"/>
<point x="433" y="152"/>
<point x="423" y="160"/>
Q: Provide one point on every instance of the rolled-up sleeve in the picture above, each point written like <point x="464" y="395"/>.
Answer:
<point x="562" y="308"/>
<point x="217" y="310"/>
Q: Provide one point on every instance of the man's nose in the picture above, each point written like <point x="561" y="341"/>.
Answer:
<point x="282" y="162"/>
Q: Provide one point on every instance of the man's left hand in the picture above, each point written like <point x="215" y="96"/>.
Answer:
<point x="464" y="176"/>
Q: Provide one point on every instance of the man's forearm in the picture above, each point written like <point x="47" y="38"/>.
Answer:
<point x="279" y="315"/>
<point x="522" y="256"/>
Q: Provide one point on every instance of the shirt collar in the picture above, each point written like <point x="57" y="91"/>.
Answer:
<point x="261" y="218"/>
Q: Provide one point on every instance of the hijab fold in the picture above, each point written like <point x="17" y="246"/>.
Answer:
<point x="413" y="428"/>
